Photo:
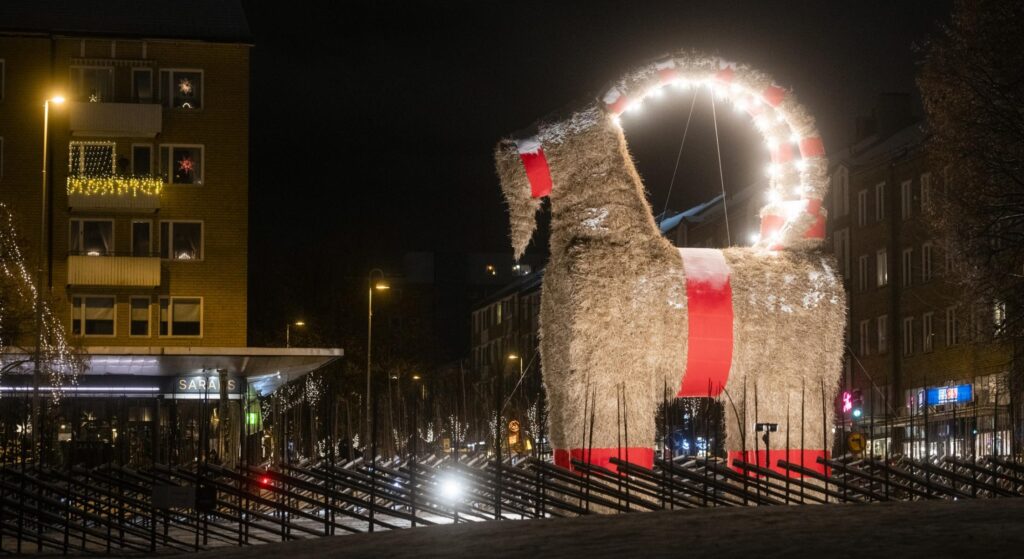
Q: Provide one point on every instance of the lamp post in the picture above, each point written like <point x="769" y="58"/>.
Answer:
<point x="288" y="331"/>
<point x="36" y="373"/>
<point x="381" y="285"/>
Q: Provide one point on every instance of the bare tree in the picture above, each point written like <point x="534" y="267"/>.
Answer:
<point x="972" y="83"/>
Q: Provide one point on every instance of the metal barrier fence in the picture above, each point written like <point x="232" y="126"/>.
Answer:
<point x="119" y="510"/>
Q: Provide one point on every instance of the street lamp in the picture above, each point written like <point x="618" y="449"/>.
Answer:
<point x="288" y="331"/>
<point x="380" y="285"/>
<point x="36" y="373"/>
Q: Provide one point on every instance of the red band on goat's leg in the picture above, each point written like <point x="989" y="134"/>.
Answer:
<point x="639" y="456"/>
<point x="806" y="458"/>
<point x="709" y="322"/>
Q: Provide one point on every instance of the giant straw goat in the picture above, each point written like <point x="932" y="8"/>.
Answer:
<point x="625" y="314"/>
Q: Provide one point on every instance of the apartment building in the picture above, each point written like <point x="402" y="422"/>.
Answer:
<point x="145" y="251"/>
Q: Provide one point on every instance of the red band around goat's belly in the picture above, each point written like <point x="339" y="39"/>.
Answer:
<point x="709" y="319"/>
<point x="536" y="164"/>
<point x="638" y="456"/>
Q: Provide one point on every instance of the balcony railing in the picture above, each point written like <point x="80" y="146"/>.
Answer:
<point x="114" y="271"/>
<point x="115" y="192"/>
<point x="136" y="120"/>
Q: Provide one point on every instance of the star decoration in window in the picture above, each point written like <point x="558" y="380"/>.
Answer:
<point x="185" y="86"/>
<point x="186" y="165"/>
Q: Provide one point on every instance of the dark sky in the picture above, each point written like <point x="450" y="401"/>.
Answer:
<point x="373" y="123"/>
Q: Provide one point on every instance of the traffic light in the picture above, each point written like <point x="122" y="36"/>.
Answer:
<point x="856" y="404"/>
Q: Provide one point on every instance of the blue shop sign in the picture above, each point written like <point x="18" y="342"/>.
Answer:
<point x="950" y="394"/>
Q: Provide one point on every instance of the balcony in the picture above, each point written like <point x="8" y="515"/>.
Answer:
<point x="114" y="271"/>
<point x="126" y="193"/>
<point x="109" y="120"/>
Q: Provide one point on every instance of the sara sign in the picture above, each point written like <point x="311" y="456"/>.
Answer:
<point x="950" y="394"/>
<point x="204" y="384"/>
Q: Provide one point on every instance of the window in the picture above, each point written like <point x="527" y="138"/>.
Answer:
<point x="142" y="159"/>
<point x="139" y="316"/>
<point x="94" y="84"/>
<point x="181" y="164"/>
<point x="952" y="327"/>
<point x="926" y="191"/>
<point x="91" y="237"/>
<point x="91" y="158"/>
<point x="182" y="89"/>
<point x="882" y="325"/>
<point x="842" y="250"/>
<point x="907" y="268"/>
<point x="865" y="345"/>
<point x="881" y="268"/>
<point x="906" y="199"/>
<point x="908" y="336"/>
<point x="862" y="272"/>
<point x="880" y="201"/>
<point x="998" y="317"/>
<point x="181" y="240"/>
<point x="927" y="332"/>
<point x="142" y="238"/>
<point x="926" y="262"/>
<point x="841" y="201"/>
<point x="862" y="208"/>
<point x="92" y="316"/>
<point x="3" y="78"/>
<point x="142" y="85"/>
<point x="181" y="316"/>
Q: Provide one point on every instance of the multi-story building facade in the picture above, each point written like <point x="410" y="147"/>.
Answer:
<point x="145" y="252"/>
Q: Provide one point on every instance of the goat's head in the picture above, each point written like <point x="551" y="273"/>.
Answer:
<point x="798" y="171"/>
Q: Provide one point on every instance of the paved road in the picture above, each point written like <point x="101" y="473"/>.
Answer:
<point x="898" y="530"/>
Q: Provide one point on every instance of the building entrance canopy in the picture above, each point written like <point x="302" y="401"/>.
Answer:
<point x="194" y="370"/>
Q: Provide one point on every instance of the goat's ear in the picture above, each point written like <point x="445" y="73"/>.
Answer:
<point x="515" y="185"/>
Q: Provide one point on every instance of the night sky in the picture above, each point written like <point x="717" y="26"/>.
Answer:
<point x="373" y="124"/>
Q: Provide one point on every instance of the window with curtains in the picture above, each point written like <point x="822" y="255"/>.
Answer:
<point x="92" y="315"/>
<point x="91" y="237"/>
<point x="181" y="316"/>
<point x="181" y="240"/>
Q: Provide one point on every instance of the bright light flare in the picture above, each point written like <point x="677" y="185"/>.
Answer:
<point x="451" y="488"/>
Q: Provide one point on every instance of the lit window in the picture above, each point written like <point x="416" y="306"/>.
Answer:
<point x="927" y="332"/>
<point x="181" y="164"/>
<point x="92" y="316"/>
<point x="91" y="159"/>
<point x="181" y="316"/>
<point x="882" y="268"/>
<point x="181" y="240"/>
<point x="182" y="89"/>
<point x="91" y="237"/>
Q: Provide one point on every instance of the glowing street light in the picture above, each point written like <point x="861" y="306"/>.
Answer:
<point x="288" y="331"/>
<point x="380" y="285"/>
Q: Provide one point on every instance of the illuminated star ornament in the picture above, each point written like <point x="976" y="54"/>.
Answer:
<point x="186" y="165"/>
<point x="185" y="86"/>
